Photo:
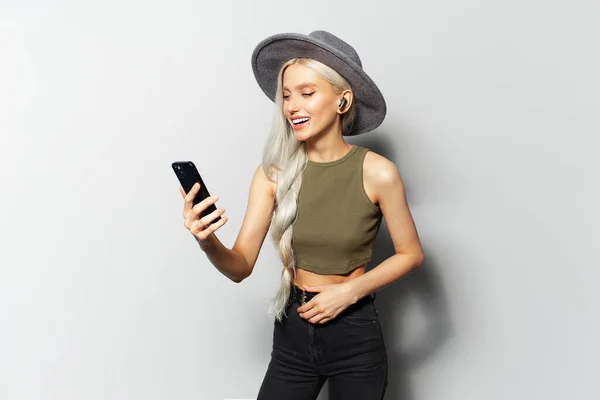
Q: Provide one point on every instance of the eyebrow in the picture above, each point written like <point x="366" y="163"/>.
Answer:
<point x="305" y="84"/>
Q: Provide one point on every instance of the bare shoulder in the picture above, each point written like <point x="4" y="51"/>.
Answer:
<point x="262" y="188"/>
<point x="388" y="188"/>
<point x="261" y="178"/>
<point x="379" y="172"/>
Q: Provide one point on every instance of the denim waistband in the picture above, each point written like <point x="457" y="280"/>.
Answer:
<point x="296" y="295"/>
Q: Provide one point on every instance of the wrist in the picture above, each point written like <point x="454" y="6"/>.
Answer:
<point x="354" y="289"/>
<point x="205" y="244"/>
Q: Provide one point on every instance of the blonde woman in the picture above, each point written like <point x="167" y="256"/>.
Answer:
<point x="324" y="199"/>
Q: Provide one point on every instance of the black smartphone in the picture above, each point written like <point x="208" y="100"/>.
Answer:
<point x="188" y="175"/>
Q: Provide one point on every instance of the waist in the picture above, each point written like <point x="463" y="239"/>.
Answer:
<point x="304" y="277"/>
<point x="302" y="296"/>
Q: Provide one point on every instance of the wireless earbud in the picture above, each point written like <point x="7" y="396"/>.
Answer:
<point x="343" y="103"/>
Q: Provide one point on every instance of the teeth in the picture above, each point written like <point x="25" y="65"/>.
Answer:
<point x="296" y="121"/>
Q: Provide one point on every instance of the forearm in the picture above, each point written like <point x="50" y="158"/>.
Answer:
<point x="229" y="262"/>
<point x="384" y="274"/>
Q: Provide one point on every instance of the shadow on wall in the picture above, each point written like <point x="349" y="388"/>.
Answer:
<point x="413" y="310"/>
<point x="410" y="344"/>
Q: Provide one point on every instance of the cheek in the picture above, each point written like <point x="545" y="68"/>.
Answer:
<point x="317" y="107"/>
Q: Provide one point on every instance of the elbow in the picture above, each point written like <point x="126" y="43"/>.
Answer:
<point x="240" y="277"/>
<point x="236" y="279"/>
<point x="243" y="269"/>
<point x="419" y="258"/>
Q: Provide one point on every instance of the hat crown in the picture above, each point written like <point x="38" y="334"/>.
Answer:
<point x="331" y="40"/>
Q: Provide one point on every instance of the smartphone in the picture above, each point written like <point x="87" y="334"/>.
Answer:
<point x="188" y="175"/>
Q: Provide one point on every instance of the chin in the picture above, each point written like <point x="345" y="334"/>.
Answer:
<point x="306" y="134"/>
<point x="302" y="136"/>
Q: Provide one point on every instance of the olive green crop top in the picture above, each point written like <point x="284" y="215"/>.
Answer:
<point x="336" y="223"/>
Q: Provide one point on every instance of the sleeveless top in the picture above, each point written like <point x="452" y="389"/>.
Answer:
<point x="336" y="223"/>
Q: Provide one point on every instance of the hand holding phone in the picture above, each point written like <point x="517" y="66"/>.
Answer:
<point x="201" y="215"/>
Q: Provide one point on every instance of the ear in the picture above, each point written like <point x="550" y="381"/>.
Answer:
<point x="347" y="95"/>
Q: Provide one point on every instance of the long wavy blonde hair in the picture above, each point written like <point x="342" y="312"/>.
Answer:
<point x="284" y="161"/>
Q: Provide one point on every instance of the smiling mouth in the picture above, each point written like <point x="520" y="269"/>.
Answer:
<point x="300" y="121"/>
<point x="300" y="124"/>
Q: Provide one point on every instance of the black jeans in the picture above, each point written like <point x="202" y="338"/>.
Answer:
<point x="348" y="350"/>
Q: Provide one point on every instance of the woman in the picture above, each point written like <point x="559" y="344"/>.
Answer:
<point x="325" y="199"/>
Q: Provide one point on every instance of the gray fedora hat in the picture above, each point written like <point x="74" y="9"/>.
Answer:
<point x="271" y="53"/>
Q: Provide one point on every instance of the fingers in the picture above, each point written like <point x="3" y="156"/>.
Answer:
<point x="208" y="219"/>
<point x="203" y="227"/>
<point x="192" y="217"/>
<point x="314" y="314"/>
<point x="308" y="313"/>
<point x="189" y="198"/>
<point x="203" y="231"/>
<point x="318" y="318"/>
<point x="194" y="214"/>
<point x="203" y="205"/>
<point x="192" y="211"/>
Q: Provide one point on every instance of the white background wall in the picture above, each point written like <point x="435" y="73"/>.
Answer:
<point x="492" y="121"/>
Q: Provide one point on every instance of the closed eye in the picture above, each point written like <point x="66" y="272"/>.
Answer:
<point x="303" y="94"/>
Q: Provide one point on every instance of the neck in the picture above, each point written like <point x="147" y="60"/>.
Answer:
<point x="324" y="151"/>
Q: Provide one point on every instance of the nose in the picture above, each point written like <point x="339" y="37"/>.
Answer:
<point x="292" y="107"/>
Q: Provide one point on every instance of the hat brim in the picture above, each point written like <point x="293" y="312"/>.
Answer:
<point x="271" y="53"/>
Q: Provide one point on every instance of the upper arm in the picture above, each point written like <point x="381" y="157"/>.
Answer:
<point x="257" y="218"/>
<point x="391" y="196"/>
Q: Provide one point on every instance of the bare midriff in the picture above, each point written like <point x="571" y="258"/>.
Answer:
<point x="304" y="277"/>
